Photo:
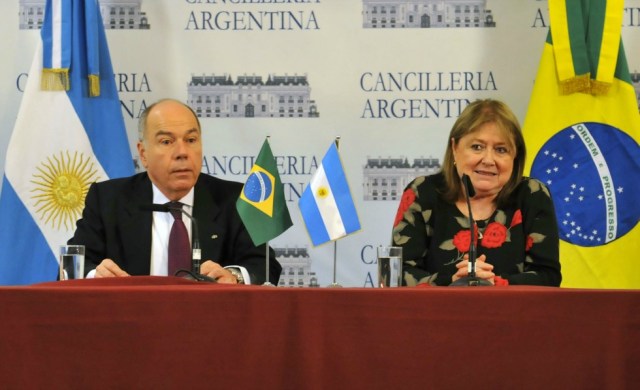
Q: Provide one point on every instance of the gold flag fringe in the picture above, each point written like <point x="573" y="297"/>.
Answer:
<point x="581" y="83"/>
<point x="600" y="87"/>
<point x="94" y="85"/>
<point x="55" y="79"/>
<point x="584" y="84"/>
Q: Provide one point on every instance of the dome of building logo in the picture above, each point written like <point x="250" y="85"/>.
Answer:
<point x="592" y="171"/>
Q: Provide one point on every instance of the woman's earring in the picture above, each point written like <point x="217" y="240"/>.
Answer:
<point x="454" y="163"/>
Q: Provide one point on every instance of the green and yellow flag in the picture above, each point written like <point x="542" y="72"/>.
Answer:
<point x="582" y="129"/>
<point x="261" y="205"/>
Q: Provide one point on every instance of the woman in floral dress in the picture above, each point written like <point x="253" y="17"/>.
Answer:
<point x="516" y="233"/>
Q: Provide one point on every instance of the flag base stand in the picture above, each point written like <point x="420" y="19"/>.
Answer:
<point x="334" y="284"/>
<point x="469" y="281"/>
<point x="267" y="283"/>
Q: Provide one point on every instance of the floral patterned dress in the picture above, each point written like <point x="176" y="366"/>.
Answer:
<point x="520" y="240"/>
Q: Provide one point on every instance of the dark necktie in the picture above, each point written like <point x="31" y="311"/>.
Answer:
<point x="179" y="246"/>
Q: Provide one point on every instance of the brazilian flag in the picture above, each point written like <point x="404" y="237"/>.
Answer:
<point x="582" y="129"/>
<point x="261" y="204"/>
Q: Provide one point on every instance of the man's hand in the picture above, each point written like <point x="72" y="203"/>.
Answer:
<point x="108" y="269"/>
<point x="216" y="271"/>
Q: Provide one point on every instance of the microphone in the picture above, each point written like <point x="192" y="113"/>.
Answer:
<point x="471" y="279"/>
<point x="196" y="252"/>
<point x="468" y="186"/>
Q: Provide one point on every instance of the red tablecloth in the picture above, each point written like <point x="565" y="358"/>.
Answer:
<point x="144" y="332"/>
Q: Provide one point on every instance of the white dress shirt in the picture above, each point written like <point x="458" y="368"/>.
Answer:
<point x="161" y="228"/>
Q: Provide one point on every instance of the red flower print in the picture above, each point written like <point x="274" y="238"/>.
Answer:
<point x="407" y="199"/>
<point x="494" y="235"/>
<point x="517" y="218"/>
<point x="462" y="240"/>
<point x="529" y="243"/>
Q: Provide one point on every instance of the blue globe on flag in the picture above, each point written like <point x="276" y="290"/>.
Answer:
<point x="589" y="169"/>
<point x="258" y="187"/>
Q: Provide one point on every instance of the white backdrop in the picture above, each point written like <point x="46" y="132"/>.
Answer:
<point x="347" y="68"/>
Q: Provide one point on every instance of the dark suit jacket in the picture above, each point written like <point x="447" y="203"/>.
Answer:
<point x="113" y="226"/>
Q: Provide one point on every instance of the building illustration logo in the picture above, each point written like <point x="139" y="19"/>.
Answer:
<point x="296" y="268"/>
<point x="250" y="96"/>
<point x="426" y="13"/>
<point x="386" y="178"/>
<point x="116" y="14"/>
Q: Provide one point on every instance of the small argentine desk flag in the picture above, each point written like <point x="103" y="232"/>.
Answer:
<point x="68" y="134"/>
<point x="326" y="204"/>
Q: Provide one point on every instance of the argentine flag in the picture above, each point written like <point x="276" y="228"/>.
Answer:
<point x="69" y="133"/>
<point x="326" y="204"/>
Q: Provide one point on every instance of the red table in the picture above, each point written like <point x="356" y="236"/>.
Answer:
<point x="144" y="332"/>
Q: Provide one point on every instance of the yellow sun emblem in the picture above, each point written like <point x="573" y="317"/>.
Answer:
<point x="322" y="192"/>
<point x="61" y="185"/>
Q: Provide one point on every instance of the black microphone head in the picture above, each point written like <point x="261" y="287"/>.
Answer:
<point x="163" y="208"/>
<point x="466" y="180"/>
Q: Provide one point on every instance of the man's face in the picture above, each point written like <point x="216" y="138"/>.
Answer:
<point x="172" y="149"/>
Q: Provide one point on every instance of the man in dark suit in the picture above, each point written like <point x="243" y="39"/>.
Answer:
<point x="122" y="238"/>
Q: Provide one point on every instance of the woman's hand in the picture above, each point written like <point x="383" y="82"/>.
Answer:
<point x="484" y="270"/>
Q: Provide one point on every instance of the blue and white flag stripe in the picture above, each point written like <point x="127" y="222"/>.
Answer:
<point x="326" y="204"/>
<point x="62" y="142"/>
<point x="20" y="234"/>
<point x="56" y="36"/>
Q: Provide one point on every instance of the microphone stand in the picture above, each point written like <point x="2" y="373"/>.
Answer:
<point x="471" y="279"/>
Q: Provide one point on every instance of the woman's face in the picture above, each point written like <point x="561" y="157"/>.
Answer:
<point x="486" y="156"/>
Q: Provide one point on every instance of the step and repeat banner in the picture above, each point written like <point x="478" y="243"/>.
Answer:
<point x="388" y="77"/>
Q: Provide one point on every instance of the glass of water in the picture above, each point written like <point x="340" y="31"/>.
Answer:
<point x="71" y="262"/>
<point x="389" y="266"/>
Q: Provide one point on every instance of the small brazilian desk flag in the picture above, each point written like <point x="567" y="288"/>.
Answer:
<point x="261" y="205"/>
<point x="326" y="205"/>
<point x="69" y="133"/>
<point x="582" y="129"/>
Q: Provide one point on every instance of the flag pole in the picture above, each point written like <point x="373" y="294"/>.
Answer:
<point x="335" y="242"/>
<point x="266" y="272"/>
<point x="335" y="251"/>
<point x="266" y="255"/>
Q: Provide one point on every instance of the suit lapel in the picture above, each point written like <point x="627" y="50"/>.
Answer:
<point x="206" y="211"/>
<point x="136" y="228"/>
